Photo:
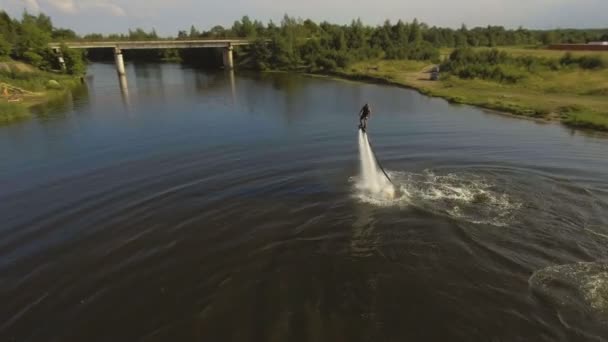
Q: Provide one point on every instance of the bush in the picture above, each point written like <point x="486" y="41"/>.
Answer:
<point x="584" y="62"/>
<point x="52" y="84"/>
<point x="419" y="52"/>
<point x="326" y="63"/>
<point x="502" y="74"/>
<point x="33" y="58"/>
<point x="592" y="62"/>
<point x="5" y="46"/>
<point x="74" y="61"/>
<point x="465" y="56"/>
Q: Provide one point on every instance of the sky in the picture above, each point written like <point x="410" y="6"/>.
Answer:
<point x="169" y="16"/>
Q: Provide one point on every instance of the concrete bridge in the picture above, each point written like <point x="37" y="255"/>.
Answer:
<point x="225" y="44"/>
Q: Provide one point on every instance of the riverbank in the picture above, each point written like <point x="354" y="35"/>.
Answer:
<point x="22" y="87"/>
<point x="575" y="97"/>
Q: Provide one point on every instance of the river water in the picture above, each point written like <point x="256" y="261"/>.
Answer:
<point x="209" y="206"/>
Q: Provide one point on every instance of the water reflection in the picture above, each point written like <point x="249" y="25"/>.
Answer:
<point x="363" y="240"/>
<point x="150" y="79"/>
<point x="124" y="90"/>
<point x="63" y="104"/>
<point x="232" y="85"/>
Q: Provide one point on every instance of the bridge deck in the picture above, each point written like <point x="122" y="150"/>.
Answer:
<point x="155" y="44"/>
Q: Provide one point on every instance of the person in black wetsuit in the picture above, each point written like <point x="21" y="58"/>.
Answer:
<point x="364" y="114"/>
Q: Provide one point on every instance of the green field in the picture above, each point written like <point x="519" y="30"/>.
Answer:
<point x="574" y="96"/>
<point x="534" y="51"/>
<point x="26" y="87"/>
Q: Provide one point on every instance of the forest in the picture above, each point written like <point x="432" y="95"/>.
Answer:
<point x="27" y="40"/>
<point x="292" y="44"/>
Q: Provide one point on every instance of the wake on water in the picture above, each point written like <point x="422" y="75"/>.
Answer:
<point x="462" y="196"/>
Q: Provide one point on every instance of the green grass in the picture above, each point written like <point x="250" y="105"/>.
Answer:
<point x="36" y="81"/>
<point x="35" y="87"/>
<point x="10" y="112"/>
<point x="587" y="119"/>
<point x="544" y="94"/>
<point x="535" y="52"/>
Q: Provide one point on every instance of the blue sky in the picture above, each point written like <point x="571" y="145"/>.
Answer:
<point x="168" y="16"/>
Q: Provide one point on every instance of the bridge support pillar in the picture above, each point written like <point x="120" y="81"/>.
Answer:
<point x="227" y="56"/>
<point x="120" y="63"/>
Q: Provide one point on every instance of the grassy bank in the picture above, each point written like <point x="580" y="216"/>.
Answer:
<point x="10" y="112"/>
<point x="22" y="86"/>
<point x="573" y="96"/>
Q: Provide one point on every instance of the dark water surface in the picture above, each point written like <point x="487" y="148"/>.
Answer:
<point x="204" y="206"/>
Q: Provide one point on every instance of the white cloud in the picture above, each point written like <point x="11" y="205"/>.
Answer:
<point x="80" y="6"/>
<point x="66" y="6"/>
<point x="32" y="5"/>
<point x="107" y="7"/>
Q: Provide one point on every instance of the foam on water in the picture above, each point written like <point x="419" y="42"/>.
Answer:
<point x="574" y="288"/>
<point x="464" y="196"/>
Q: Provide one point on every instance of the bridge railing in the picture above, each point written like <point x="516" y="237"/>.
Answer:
<point x="153" y="44"/>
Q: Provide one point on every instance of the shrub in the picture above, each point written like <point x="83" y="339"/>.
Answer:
<point x="74" y="61"/>
<point x="5" y="46"/>
<point x="584" y="62"/>
<point x="33" y="58"/>
<point x="591" y="62"/>
<point x="326" y="63"/>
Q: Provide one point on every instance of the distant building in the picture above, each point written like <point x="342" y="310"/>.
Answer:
<point x="598" y="43"/>
<point x="434" y="75"/>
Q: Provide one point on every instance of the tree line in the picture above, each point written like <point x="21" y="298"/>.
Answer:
<point x="27" y="40"/>
<point x="291" y="44"/>
<point x="295" y="43"/>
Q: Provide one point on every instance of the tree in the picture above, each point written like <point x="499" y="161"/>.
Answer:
<point x="216" y="32"/>
<point x="64" y="34"/>
<point x="74" y="60"/>
<point x="31" y="39"/>
<point x="356" y="35"/>
<point x="311" y="51"/>
<point x="94" y="36"/>
<point x="261" y="54"/>
<point x="8" y="27"/>
<point x="247" y="28"/>
<point x="140" y="34"/>
<point x="415" y="32"/>
<point x="381" y="37"/>
<point x="549" y="37"/>
<point x="194" y="33"/>
<point x="5" y="46"/>
<point x="44" y="23"/>
<point x="339" y="40"/>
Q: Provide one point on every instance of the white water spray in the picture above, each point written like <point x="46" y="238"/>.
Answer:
<point x="373" y="178"/>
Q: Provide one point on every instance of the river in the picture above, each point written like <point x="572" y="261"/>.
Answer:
<point x="209" y="206"/>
